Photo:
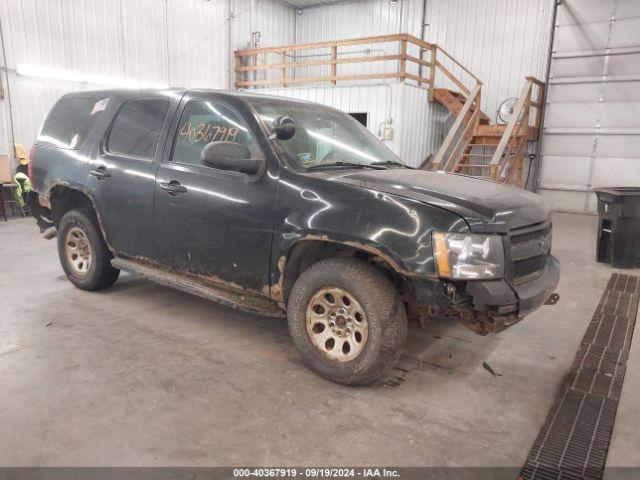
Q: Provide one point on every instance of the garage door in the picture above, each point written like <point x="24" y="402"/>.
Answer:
<point x="592" y="123"/>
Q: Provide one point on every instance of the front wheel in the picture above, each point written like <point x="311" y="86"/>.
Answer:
<point x="84" y="256"/>
<point x="347" y="320"/>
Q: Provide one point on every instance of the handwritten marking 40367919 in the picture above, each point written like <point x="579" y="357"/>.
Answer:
<point x="207" y="132"/>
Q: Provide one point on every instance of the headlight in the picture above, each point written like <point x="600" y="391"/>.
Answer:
<point x="467" y="256"/>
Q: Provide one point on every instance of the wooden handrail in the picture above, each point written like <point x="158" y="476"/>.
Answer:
<point x="316" y="63"/>
<point x="419" y="42"/>
<point x="419" y="61"/>
<point x="334" y="43"/>
<point x="515" y="165"/>
<point x="465" y="69"/>
<point x="461" y="120"/>
<point x="452" y="77"/>
<point x="513" y="122"/>
<point x="326" y="78"/>
<point x="521" y="109"/>
<point x="404" y="58"/>
<point x="540" y="83"/>
<point x="451" y="163"/>
<point x="507" y="160"/>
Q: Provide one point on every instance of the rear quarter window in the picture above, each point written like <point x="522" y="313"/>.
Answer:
<point x="71" y="120"/>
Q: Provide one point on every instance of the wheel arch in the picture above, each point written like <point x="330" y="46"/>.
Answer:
<point x="63" y="197"/>
<point x="313" y="248"/>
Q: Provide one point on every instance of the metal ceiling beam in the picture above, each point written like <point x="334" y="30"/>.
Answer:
<point x="303" y="4"/>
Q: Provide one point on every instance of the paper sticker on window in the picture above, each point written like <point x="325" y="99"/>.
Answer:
<point x="306" y="157"/>
<point x="99" y="106"/>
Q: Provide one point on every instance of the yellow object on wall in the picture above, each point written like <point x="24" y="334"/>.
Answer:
<point x="20" y="154"/>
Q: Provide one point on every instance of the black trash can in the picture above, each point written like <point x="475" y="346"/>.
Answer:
<point x="619" y="226"/>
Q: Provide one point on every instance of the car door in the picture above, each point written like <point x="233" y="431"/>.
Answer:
<point x="212" y="222"/>
<point x="122" y="172"/>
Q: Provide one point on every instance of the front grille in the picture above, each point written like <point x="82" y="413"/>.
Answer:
<point x="529" y="249"/>
<point x="529" y="266"/>
<point x="518" y="238"/>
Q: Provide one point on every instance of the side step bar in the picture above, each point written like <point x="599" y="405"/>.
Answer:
<point x="203" y="288"/>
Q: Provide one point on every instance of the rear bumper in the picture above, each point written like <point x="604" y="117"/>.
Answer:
<point x="506" y="304"/>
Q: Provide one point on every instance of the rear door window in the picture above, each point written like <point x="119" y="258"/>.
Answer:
<point x="71" y="120"/>
<point x="136" y="128"/>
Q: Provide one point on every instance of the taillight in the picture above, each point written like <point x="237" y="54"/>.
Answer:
<point x="32" y="156"/>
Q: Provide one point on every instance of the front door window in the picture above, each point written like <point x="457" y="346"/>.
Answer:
<point x="205" y="121"/>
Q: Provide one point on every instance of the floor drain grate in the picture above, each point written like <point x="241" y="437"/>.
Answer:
<point x="574" y="439"/>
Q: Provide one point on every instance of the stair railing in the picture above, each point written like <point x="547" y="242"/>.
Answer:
<point x="400" y="57"/>
<point x="506" y="165"/>
<point x="388" y="57"/>
<point x="437" y="54"/>
<point x="467" y="120"/>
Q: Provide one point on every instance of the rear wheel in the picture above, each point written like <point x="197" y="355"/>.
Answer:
<point x="84" y="256"/>
<point x="347" y="320"/>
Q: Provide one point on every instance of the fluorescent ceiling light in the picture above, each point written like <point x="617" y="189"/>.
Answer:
<point x="73" y="76"/>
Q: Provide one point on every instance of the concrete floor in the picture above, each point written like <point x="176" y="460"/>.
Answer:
<point x="144" y="375"/>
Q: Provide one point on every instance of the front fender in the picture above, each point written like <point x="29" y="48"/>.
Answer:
<point x="377" y="249"/>
<point x="394" y="228"/>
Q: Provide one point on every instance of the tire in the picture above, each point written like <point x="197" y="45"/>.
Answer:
<point x="87" y="272"/>
<point x="367" y="289"/>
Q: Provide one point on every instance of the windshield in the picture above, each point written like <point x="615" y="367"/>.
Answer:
<point x="325" y="137"/>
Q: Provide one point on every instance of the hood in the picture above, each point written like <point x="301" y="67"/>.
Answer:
<point x="486" y="206"/>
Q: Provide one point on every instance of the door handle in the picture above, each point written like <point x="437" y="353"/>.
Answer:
<point x="100" y="173"/>
<point x="173" y="187"/>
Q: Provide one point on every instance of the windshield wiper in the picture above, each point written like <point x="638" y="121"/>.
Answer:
<point x="341" y="163"/>
<point x="391" y="162"/>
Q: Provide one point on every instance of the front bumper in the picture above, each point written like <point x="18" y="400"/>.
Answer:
<point x="506" y="304"/>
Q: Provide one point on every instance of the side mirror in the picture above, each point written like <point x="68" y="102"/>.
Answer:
<point x="283" y="127"/>
<point x="230" y="156"/>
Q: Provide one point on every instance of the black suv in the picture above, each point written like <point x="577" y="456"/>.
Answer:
<point x="273" y="205"/>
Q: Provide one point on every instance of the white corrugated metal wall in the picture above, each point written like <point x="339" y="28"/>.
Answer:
<point x="592" y="123"/>
<point x="189" y="42"/>
<point x="174" y="42"/>
<point x="500" y="41"/>
<point x="420" y="129"/>
<point x="274" y="25"/>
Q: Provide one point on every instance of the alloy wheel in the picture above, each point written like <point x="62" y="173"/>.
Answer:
<point x="337" y="324"/>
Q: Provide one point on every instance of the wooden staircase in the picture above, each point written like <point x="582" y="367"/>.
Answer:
<point x="481" y="148"/>
<point x="474" y="146"/>
<point x="454" y="101"/>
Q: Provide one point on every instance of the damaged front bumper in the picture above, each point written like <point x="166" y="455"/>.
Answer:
<point x="501" y="304"/>
<point x="485" y="306"/>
